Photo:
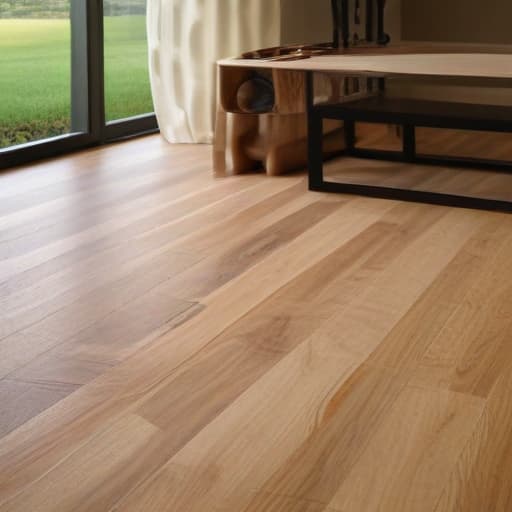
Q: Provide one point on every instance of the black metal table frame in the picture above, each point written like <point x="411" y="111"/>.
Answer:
<point x="316" y="115"/>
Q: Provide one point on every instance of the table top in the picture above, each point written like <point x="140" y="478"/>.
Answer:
<point x="418" y="60"/>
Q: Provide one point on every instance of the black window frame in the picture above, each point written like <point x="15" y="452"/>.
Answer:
<point x="88" y="126"/>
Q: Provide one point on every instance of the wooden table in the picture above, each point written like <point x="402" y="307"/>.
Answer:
<point x="300" y="88"/>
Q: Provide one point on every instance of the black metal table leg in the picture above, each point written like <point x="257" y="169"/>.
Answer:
<point x="350" y="135"/>
<point x="409" y="142"/>
<point x="315" y="137"/>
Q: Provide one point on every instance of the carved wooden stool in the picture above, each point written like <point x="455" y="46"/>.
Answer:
<point x="275" y="140"/>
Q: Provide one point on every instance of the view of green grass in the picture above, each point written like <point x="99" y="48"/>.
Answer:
<point x="35" y="75"/>
<point x="127" y="88"/>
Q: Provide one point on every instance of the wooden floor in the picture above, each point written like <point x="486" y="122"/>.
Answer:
<point x="174" y="342"/>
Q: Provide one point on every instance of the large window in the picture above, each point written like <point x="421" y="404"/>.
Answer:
<point x="72" y="73"/>
<point x="127" y="89"/>
<point x="35" y="71"/>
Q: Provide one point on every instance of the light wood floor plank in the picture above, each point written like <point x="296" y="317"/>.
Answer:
<point x="251" y="347"/>
<point x="244" y="349"/>
<point x="28" y="217"/>
<point x="261" y="424"/>
<point x="89" y="162"/>
<point x="170" y="351"/>
<point x="275" y="503"/>
<point x="89" y="309"/>
<point x="406" y="345"/>
<point x="351" y="322"/>
<point x="465" y="354"/>
<point x="315" y="471"/>
<point x="241" y="253"/>
<point x="168" y="200"/>
<point x="21" y="401"/>
<point x="16" y="263"/>
<point x="171" y="341"/>
<point x="409" y="458"/>
<point x="482" y="477"/>
<point x="138" y="237"/>
<point x="108" y="455"/>
<point x="310" y="474"/>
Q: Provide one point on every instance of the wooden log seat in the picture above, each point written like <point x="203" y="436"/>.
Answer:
<point x="274" y="139"/>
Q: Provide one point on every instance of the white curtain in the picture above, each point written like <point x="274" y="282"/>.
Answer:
<point x="186" y="38"/>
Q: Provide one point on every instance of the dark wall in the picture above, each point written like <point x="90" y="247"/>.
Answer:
<point x="468" y="21"/>
<point x="310" y="21"/>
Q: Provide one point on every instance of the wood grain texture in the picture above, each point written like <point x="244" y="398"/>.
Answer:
<point x="403" y="59"/>
<point x="22" y="400"/>
<point x="404" y="467"/>
<point x="185" y="343"/>
<point x="481" y="478"/>
<point x="277" y="139"/>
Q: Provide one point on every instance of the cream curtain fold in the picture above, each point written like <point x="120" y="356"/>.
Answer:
<point x="186" y="38"/>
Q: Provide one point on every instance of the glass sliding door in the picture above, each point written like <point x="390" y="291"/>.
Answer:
<point x="73" y="73"/>
<point x="127" y="89"/>
<point x="35" y="71"/>
<point x="128" y="101"/>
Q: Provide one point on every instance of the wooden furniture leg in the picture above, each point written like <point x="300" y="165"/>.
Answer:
<point x="232" y="132"/>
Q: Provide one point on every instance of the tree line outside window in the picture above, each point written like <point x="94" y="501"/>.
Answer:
<point x="61" y="8"/>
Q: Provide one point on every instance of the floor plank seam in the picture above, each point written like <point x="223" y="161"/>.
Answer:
<point x="175" y="242"/>
<point x="479" y="420"/>
<point x="175" y="221"/>
<point x="306" y="501"/>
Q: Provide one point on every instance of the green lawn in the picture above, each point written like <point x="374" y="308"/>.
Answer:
<point x="127" y="88"/>
<point x="35" y="75"/>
